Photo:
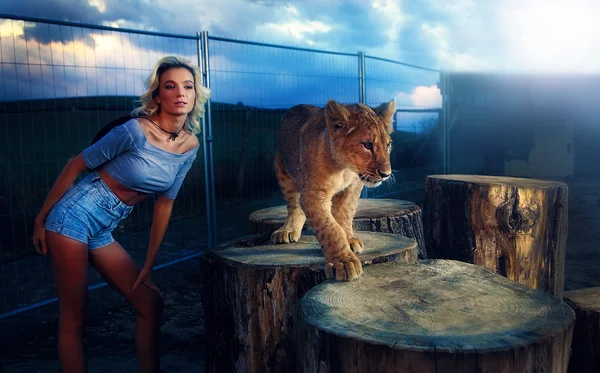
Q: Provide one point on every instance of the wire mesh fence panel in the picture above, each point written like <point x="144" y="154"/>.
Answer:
<point x="255" y="84"/>
<point x="417" y="122"/>
<point x="60" y="85"/>
<point x="62" y="82"/>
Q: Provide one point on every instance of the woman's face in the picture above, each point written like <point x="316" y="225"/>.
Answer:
<point x="176" y="91"/>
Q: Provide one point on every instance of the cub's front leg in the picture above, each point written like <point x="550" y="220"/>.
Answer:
<point x="343" y="209"/>
<point x="341" y="263"/>
<point x="292" y="229"/>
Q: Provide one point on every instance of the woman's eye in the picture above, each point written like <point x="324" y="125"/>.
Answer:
<point x="368" y="145"/>
<point x="189" y="87"/>
<point x="169" y="86"/>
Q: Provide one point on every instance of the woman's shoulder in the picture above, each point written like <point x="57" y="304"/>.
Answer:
<point x="193" y="140"/>
<point x="133" y="123"/>
<point x="191" y="145"/>
<point x="114" y="125"/>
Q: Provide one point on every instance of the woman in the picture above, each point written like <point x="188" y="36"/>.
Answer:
<point x="151" y="153"/>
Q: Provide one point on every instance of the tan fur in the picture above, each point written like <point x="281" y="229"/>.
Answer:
<point x="320" y="159"/>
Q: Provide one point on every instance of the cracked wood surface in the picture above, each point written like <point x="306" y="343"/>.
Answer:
<point x="436" y="316"/>
<point x="251" y="289"/>
<point x="372" y="215"/>
<point x="514" y="226"/>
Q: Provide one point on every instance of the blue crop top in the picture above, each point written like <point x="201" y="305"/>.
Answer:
<point x="134" y="162"/>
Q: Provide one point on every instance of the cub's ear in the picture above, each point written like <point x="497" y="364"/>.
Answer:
<point x="386" y="112"/>
<point x="336" y="116"/>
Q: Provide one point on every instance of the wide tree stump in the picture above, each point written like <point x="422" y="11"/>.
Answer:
<point x="516" y="227"/>
<point x="372" y="215"/>
<point x="436" y="316"/>
<point x="250" y="297"/>
<point x="585" y="348"/>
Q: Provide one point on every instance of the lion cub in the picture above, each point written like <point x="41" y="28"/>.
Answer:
<point x="323" y="158"/>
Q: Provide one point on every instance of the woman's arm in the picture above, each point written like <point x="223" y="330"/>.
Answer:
<point x="160" y="219"/>
<point x="65" y="179"/>
<point x="162" y="213"/>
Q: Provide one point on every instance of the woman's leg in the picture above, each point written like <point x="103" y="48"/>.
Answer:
<point x="70" y="272"/>
<point x="120" y="271"/>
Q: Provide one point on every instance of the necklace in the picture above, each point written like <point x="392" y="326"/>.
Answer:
<point x="173" y="134"/>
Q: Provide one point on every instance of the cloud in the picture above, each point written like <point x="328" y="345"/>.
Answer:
<point x="85" y="62"/>
<point x="346" y="26"/>
<point x="299" y="30"/>
<point x="92" y="11"/>
<point x="553" y="36"/>
<point x="421" y="97"/>
<point x="427" y="97"/>
<point x="461" y="35"/>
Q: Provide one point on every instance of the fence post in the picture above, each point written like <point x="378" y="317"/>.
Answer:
<point x="209" y="175"/>
<point x="362" y="98"/>
<point x="362" y="92"/>
<point x="445" y="120"/>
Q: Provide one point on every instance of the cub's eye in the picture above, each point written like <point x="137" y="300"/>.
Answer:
<point x="368" y="145"/>
<point x="337" y="126"/>
<point x="389" y="145"/>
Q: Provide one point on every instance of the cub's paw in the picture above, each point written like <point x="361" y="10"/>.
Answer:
<point x="343" y="267"/>
<point x="356" y="245"/>
<point x="284" y="235"/>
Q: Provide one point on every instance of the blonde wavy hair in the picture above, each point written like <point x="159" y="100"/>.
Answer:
<point x="150" y="107"/>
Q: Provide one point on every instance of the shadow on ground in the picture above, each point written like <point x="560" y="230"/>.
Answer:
<point x="29" y="339"/>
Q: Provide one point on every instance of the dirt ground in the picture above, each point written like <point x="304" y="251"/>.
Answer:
<point x="28" y="343"/>
<point x="31" y="346"/>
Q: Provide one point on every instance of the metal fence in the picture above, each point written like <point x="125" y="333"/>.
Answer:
<point x="62" y="81"/>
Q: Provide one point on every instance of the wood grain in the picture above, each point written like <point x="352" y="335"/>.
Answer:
<point x="250" y="295"/>
<point x="586" y="337"/>
<point x="435" y="316"/>
<point x="372" y="215"/>
<point x="516" y="227"/>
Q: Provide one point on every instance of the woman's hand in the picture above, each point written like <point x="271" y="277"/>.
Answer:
<point x="145" y="277"/>
<point x="39" y="237"/>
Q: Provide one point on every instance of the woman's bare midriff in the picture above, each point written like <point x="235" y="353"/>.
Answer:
<point x="128" y="196"/>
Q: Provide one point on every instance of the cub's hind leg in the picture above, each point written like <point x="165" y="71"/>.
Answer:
<point x="292" y="229"/>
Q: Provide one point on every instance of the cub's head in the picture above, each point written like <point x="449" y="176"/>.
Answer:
<point x="360" y="138"/>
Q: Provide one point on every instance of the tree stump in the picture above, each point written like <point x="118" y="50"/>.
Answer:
<point x="436" y="316"/>
<point x="372" y="215"/>
<point x="585" y="348"/>
<point x="516" y="227"/>
<point x="250" y="296"/>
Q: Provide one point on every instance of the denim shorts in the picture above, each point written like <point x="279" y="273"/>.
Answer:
<point x="88" y="212"/>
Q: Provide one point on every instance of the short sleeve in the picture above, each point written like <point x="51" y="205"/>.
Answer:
<point x="117" y="141"/>
<point x="171" y="193"/>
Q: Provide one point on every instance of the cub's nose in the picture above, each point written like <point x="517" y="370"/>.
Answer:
<point x="383" y="174"/>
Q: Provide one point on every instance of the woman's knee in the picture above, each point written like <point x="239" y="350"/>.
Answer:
<point x="154" y="302"/>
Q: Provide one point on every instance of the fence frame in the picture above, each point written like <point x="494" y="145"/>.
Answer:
<point x="203" y="60"/>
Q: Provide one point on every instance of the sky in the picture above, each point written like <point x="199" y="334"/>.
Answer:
<point x="545" y="36"/>
<point x="539" y="35"/>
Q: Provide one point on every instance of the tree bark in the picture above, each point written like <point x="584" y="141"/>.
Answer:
<point x="250" y="297"/>
<point x="516" y="227"/>
<point x="436" y="316"/>
<point x="372" y="215"/>
<point x="585" y="349"/>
